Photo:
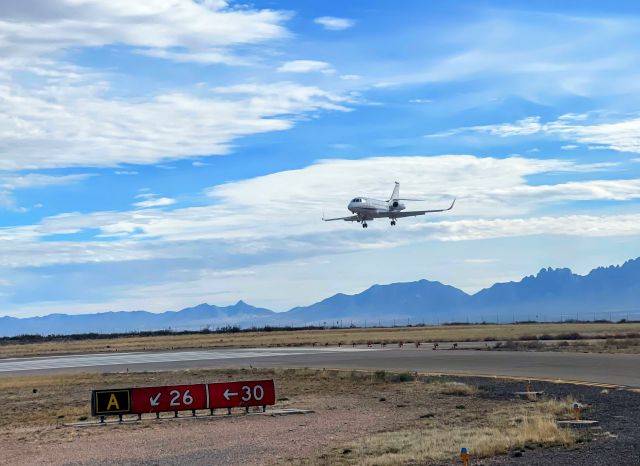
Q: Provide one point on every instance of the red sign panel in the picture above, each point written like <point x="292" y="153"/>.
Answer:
<point x="171" y="398"/>
<point x="183" y="397"/>
<point x="233" y="394"/>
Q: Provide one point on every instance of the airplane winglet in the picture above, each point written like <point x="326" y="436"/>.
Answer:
<point x="454" y="201"/>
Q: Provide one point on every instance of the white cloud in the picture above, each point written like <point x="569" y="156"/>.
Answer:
<point x="617" y="190"/>
<point x="8" y="202"/>
<point x="524" y="127"/>
<point x="622" y="135"/>
<point x="55" y="114"/>
<point x="420" y="101"/>
<point x="268" y="223"/>
<point x="152" y="202"/>
<point x="350" y="77"/>
<point x="334" y="24"/>
<point x="569" y="147"/>
<point x="78" y="125"/>
<point x="286" y="97"/>
<point x="479" y="261"/>
<point x="281" y="212"/>
<point x="37" y="180"/>
<point x="517" y="53"/>
<point x="39" y="27"/>
<point x="570" y="225"/>
<point x="574" y="116"/>
<point x="306" y="66"/>
<point x="210" y="56"/>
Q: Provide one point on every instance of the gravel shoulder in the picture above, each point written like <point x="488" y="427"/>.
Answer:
<point x="350" y="407"/>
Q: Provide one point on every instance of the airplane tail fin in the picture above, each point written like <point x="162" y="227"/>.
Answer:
<point x="396" y="192"/>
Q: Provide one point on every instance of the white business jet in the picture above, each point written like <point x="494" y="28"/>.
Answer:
<point x="366" y="209"/>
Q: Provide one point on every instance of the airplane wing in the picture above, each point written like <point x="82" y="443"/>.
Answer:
<point x="412" y="213"/>
<point x="351" y="218"/>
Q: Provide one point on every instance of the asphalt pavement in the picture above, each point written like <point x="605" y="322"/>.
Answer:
<point x="618" y="369"/>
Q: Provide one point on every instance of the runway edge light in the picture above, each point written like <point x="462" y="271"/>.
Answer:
<point x="464" y="455"/>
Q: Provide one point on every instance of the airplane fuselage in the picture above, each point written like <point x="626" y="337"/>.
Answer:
<point x="367" y="208"/>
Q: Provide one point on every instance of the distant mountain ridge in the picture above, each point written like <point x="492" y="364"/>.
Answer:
<point x="399" y="301"/>
<point x="613" y="288"/>
<point x="551" y="294"/>
<point x="197" y="317"/>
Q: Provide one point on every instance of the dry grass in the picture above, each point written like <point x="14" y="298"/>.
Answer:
<point x="425" y="422"/>
<point x="55" y="399"/>
<point x="317" y="337"/>
<point x="609" y="345"/>
<point x="602" y="345"/>
<point x="455" y="388"/>
<point x="504" y="430"/>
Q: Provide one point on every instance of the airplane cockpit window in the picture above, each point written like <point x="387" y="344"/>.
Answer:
<point x="357" y="200"/>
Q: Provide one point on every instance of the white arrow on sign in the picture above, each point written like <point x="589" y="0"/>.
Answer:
<point x="155" y="400"/>
<point x="228" y="394"/>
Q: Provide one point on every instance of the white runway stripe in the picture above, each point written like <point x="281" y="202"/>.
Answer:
<point x="111" y="359"/>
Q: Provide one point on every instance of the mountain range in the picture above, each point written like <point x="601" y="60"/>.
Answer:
<point x="552" y="294"/>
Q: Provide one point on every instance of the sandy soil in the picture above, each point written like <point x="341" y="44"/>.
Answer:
<point x="237" y="440"/>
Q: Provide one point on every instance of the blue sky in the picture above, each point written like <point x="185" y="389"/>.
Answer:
<point x="160" y="154"/>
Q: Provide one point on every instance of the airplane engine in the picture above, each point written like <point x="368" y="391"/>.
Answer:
<point x="397" y="205"/>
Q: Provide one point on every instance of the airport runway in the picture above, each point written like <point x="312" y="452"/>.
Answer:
<point x="147" y="360"/>
<point x="619" y="369"/>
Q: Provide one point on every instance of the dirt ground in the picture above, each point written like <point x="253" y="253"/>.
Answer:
<point x="603" y="345"/>
<point x="358" y="418"/>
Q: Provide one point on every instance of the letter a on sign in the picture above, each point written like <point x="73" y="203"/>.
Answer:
<point x="113" y="401"/>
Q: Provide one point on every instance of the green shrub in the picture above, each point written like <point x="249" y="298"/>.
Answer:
<point x="403" y="377"/>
